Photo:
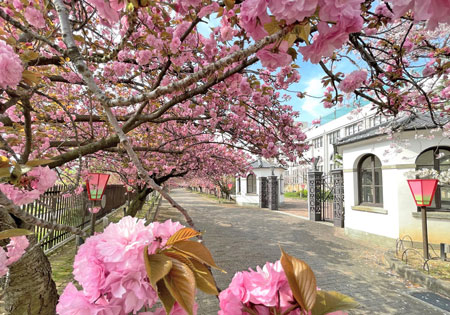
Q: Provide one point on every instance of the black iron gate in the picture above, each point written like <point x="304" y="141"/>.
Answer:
<point x="326" y="197"/>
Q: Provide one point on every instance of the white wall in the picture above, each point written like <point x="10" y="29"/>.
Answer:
<point x="243" y="198"/>
<point x="325" y="131"/>
<point x="397" y="199"/>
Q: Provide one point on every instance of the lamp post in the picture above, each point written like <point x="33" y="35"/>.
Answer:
<point x="423" y="192"/>
<point x="96" y="184"/>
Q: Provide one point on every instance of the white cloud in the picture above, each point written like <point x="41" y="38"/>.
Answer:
<point x="313" y="105"/>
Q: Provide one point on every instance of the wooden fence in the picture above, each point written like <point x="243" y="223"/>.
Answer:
<point x="54" y="206"/>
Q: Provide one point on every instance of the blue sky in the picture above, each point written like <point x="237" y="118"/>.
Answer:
<point x="310" y="82"/>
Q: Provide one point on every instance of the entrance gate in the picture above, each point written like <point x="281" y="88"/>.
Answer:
<point x="326" y="197"/>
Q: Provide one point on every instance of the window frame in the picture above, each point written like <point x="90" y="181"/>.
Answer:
<point x="238" y="185"/>
<point x="373" y="185"/>
<point x="436" y="165"/>
<point x="253" y="184"/>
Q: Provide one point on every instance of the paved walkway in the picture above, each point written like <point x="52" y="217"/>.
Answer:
<point x="295" y="206"/>
<point x="244" y="237"/>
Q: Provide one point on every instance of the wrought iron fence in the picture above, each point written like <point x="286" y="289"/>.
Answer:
<point x="57" y="207"/>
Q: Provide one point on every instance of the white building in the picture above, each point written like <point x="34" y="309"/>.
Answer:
<point x="322" y="139"/>
<point x="377" y="198"/>
<point x="376" y="194"/>
<point x="248" y="188"/>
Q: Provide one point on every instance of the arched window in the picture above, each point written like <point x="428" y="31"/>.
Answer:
<point x="370" y="182"/>
<point x="251" y="184"/>
<point x="437" y="158"/>
<point x="238" y="185"/>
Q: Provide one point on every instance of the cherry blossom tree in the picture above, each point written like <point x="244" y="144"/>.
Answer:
<point x="86" y="79"/>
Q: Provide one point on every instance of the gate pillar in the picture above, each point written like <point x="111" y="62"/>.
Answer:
<point x="263" y="193"/>
<point x="314" y="201"/>
<point x="338" y="198"/>
<point x="273" y="193"/>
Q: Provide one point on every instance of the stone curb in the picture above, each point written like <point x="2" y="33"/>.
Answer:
<point x="415" y="276"/>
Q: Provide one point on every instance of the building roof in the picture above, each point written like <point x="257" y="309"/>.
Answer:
<point x="260" y="163"/>
<point x="411" y="122"/>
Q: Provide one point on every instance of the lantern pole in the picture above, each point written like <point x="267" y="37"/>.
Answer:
<point x="424" y="232"/>
<point x="93" y="217"/>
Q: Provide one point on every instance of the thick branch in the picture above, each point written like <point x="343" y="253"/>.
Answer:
<point x="30" y="219"/>
<point x="82" y="68"/>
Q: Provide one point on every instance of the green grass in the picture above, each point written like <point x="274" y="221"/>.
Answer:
<point x="296" y="195"/>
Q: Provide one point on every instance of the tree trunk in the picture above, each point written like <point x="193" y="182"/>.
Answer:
<point x="30" y="288"/>
<point x="138" y="202"/>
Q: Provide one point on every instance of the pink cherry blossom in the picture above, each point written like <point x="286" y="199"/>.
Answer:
<point x="19" y="196"/>
<point x="44" y="178"/>
<point x="143" y="57"/>
<point x="434" y="11"/>
<point x="3" y="262"/>
<point x="16" y="248"/>
<point x="329" y="39"/>
<point x="110" y="265"/>
<point x="74" y="302"/>
<point x="253" y="17"/>
<point x="267" y="287"/>
<point x="274" y="59"/>
<point x="208" y="9"/>
<point x="292" y="11"/>
<point x="10" y="67"/>
<point x="105" y="11"/>
<point x="94" y="209"/>
<point x="18" y="5"/>
<point x="34" y="17"/>
<point x="353" y="81"/>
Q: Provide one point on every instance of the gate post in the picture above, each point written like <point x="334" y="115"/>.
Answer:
<point x="263" y="193"/>
<point x="273" y="193"/>
<point x="314" y="201"/>
<point x="338" y="197"/>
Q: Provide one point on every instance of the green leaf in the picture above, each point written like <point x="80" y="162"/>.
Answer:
<point x="204" y="279"/>
<point x="164" y="295"/>
<point x="272" y="27"/>
<point x="229" y="4"/>
<point x="303" y="31"/>
<point x="30" y="77"/>
<point x="157" y="266"/>
<point x="180" y="282"/>
<point x="197" y="251"/>
<point x="293" y="53"/>
<point x="290" y="38"/>
<point x="14" y="232"/>
<point x="181" y="235"/>
<point x="4" y="162"/>
<point x="38" y="162"/>
<point x="5" y="172"/>
<point x="29" y="55"/>
<point x="332" y="301"/>
<point x="301" y="280"/>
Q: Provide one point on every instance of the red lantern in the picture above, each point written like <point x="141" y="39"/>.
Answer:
<point x="230" y="186"/>
<point x="96" y="184"/>
<point x="423" y="190"/>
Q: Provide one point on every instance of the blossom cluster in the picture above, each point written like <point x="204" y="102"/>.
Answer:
<point x="264" y="288"/>
<point x="41" y="179"/>
<point x="10" y="67"/>
<point x="14" y="250"/>
<point x="443" y="176"/>
<point x="353" y="81"/>
<point x="110" y="269"/>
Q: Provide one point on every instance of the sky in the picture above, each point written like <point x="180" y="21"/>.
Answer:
<point x="310" y="108"/>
